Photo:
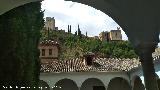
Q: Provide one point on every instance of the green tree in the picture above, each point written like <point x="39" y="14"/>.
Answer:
<point x="75" y="33"/>
<point x="19" y="37"/>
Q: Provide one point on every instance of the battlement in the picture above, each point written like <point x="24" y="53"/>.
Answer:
<point x="50" y="23"/>
<point x="113" y="35"/>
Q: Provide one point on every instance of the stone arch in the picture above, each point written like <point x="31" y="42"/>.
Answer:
<point x="137" y="83"/>
<point x="118" y="83"/>
<point x="65" y="84"/>
<point x="92" y="84"/>
<point x="43" y="85"/>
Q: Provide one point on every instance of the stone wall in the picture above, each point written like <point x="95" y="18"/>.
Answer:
<point x="50" y="23"/>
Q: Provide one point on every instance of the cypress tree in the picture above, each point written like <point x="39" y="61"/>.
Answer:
<point x="75" y="33"/>
<point x="70" y="29"/>
<point x="19" y="37"/>
<point x="86" y="34"/>
<point x="79" y="32"/>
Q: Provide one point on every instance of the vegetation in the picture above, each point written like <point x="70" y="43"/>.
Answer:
<point x="19" y="37"/>
<point x="74" y="45"/>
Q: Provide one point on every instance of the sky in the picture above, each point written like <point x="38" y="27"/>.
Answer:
<point x="91" y="20"/>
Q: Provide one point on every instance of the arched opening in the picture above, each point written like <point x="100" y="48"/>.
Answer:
<point x="65" y="84"/>
<point x="138" y="85"/>
<point x="92" y="84"/>
<point x="118" y="83"/>
<point x="43" y="85"/>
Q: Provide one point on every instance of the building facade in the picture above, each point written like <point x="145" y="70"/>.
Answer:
<point x="104" y="36"/>
<point x="113" y="35"/>
<point x="49" y="51"/>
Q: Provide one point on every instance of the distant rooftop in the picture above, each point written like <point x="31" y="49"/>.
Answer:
<point x="48" y="43"/>
<point x="99" y="65"/>
<point x="78" y="65"/>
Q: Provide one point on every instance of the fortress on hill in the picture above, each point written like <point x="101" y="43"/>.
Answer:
<point x="113" y="35"/>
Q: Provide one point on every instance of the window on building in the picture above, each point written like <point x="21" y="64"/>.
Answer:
<point x="50" y="51"/>
<point x="43" y="52"/>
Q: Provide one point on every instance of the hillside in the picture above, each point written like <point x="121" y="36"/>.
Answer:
<point x="76" y="45"/>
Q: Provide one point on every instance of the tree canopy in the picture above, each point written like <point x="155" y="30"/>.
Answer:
<point x="73" y="46"/>
<point x="19" y="38"/>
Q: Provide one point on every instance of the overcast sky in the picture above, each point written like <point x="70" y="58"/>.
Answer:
<point x="71" y="13"/>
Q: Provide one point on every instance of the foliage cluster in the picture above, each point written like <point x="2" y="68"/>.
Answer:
<point x="74" y="45"/>
<point x="19" y="37"/>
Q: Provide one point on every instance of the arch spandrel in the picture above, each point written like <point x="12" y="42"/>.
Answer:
<point x="6" y="5"/>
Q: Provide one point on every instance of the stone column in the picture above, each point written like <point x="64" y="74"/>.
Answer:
<point x="145" y="54"/>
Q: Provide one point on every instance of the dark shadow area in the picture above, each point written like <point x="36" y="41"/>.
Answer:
<point x="43" y="85"/>
<point x="92" y="84"/>
<point x="138" y="85"/>
<point x="65" y="84"/>
<point x="118" y="83"/>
